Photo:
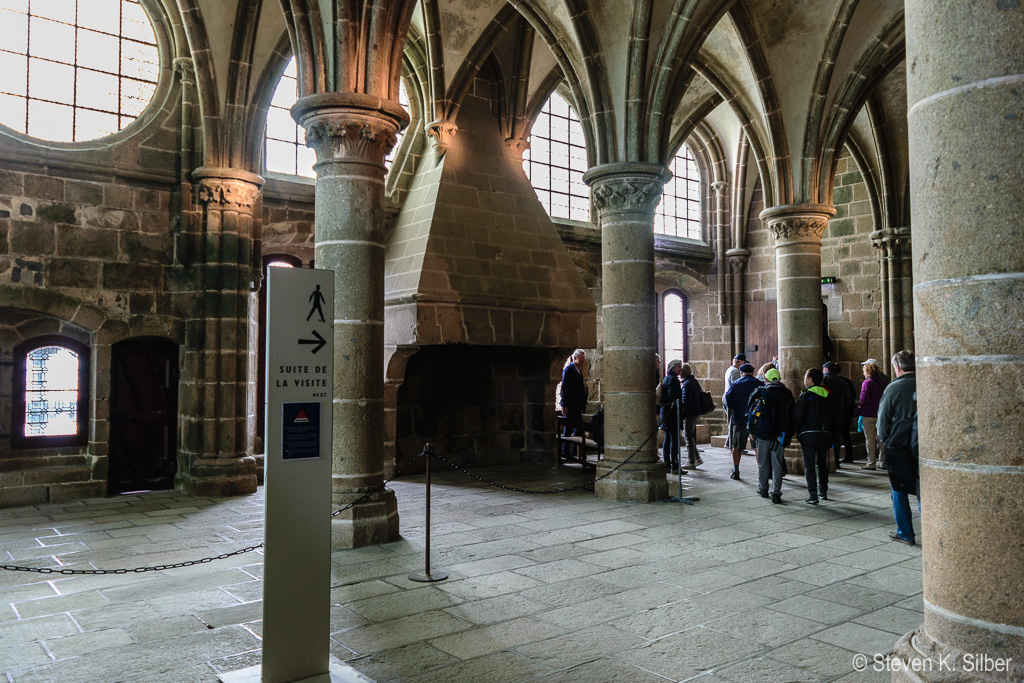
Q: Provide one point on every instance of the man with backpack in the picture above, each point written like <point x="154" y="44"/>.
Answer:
<point x="897" y="429"/>
<point x="769" y="417"/>
<point x="690" y="409"/>
<point x="666" y="395"/>
<point x="736" y="399"/>
<point x="814" y="423"/>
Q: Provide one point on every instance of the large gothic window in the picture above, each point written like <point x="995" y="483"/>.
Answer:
<point x="50" y="393"/>
<point x="673" y="307"/>
<point x="557" y="159"/>
<point x="285" y="150"/>
<point x="74" y="70"/>
<point x="678" y="213"/>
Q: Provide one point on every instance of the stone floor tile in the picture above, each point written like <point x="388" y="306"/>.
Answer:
<point x="766" y="626"/>
<point x="577" y="647"/>
<point x="893" y="619"/>
<point x="492" y="610"/>
<point x="395" y="605"/>
<point x="495" y="637"/>
<point x="585" y="613"/>
<point x="673" y="618"/>
<point x="22" y="655"/>
<point x="757" y="568"/>
<point x="852" y="595"/>
<point x="688" y="653"/>
<point x="874" y="558"/>
<point x="490" y="565"/>
<point x="862" y="639"/>
<point x="502" y="667"/>
<point x="816" y="609"/>
<point x="821" y="573"/>
<point x="405" y="631"/>
<point x="84" y="643"/>
<point x="605" y="670"/>
<point x="402" y="662"/>
<point x="892" y="579"/>
<point x="815" y="655"/>
<point x="568" y="592"/>
<point x="561" y="570"/>
<point x="488" y="585"/>
<point x="40" y="628"/>
<point x="765" y="670"/>
<point x="732" y="600"/>
<point x="59" y="604"/>
<point x="160" y="629"/>
<point x="776" y="587"/>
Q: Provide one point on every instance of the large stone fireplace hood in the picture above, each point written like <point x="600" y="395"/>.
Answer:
<point x="473" y="258"/>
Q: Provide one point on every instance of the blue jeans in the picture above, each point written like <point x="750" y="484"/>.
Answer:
<point x="670" y="449"/>
<point x="901" y="511"/>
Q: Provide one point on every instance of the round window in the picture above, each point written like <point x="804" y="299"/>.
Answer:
<point x="74" y="70"/>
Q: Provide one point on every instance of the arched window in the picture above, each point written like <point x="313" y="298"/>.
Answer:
<point x="51" y="381"/>
<point x="678" y="213"/>
<point x="76" y="69"/>
<point x="557" y="159"/>
<point x="285" y="148"/>
<point x="673" y="317"/>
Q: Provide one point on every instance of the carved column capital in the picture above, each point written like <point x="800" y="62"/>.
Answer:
<point x="186" y="67"/>
<point x="798" y="223"/>
<point x="441" y="134"/>
<point x="891" y="242"/>
<point x="737" y="259"/>
<point x="350" y="126"/>
<point x="627" y="187"/>
<point x="719" y="187"/>
<point x="227" y="189"/>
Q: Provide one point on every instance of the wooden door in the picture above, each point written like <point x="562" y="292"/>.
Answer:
<point x="761" y="329"/>
<point x="143" y="415"/>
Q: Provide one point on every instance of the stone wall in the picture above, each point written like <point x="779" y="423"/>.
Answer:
<point x="854" y="302"/>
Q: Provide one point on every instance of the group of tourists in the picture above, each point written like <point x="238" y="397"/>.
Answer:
<point x="761" y="409"/>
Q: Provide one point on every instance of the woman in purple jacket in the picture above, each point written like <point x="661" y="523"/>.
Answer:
<point x="870" y="395"/>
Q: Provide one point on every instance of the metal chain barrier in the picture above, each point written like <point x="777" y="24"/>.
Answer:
<point x="189" y="563"/>
<point x="582" y="486"/>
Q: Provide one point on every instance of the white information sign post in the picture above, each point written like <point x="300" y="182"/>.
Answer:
<point x="297" y="561"/>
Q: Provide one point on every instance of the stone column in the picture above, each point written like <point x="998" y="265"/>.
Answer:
<point x="737" y="262"/>
<point x="965" y="134"/>
<point x="721" y="224"/>
<point x="351" y="134"/>
<point x="216" y="247"/>
<point x="625" y="196"/>
<point x="895" y="280"/>
<point x="797" y="230"/>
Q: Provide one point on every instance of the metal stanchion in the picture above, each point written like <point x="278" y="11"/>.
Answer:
<point x="686" y="500"/>
<point x="427" y="576"/>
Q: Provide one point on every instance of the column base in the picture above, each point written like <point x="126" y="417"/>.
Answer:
<point x="923" y="660"/>
<point x="633" y="482"/>
<point x="373" y="521"/>
<point x="210" y="477"/>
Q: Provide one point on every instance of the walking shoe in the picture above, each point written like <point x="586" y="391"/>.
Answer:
<point x="698" y="462"/>
<point x="776" y="498"/>
<point x="867" y="467"/>
<point x="735" y="474"/>
<point x="896" y="537"/>
<point x="763" y="494"/>
<point x="823" y="496"/>
<point x="811" y="501"/>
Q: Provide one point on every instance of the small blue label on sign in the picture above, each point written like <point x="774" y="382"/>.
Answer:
<point x="300" y="434"/>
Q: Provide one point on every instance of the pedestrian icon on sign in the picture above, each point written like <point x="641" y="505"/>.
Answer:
<point x="317" y="297"/>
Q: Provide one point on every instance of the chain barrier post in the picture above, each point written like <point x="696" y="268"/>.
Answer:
<point x="427" y="576"/>
<point x="686" y="500"/>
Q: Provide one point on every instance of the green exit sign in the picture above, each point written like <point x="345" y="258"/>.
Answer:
<point x="828" y="280"/>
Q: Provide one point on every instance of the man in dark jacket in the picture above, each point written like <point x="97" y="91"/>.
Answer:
<point x="690" y="410"/>
<point x="841" y="391"/>
<point x="814" y="424"/>
<point x="671" y="392"/>
<point x="898" y="402"/>
<point x="736" y="398"/>
<point x="771" y="462"/>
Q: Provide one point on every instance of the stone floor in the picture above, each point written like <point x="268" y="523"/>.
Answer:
<point x="559" y="587"/>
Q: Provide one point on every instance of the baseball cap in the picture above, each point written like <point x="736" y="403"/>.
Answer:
<point x="870" y="361"/>
<point x="746" y="367"/>
<point x="772" y="375"/>
<point x="832" y="367"/>
<point x="739" y="356"/>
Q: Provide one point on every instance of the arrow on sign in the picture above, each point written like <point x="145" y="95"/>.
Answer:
<point x="319" y="341"/>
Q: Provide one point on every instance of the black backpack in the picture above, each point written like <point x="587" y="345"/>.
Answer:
<point x="760" y="415"/>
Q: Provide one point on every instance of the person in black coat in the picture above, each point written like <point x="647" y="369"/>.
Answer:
<point x="671" y="392"/>
<point x="689" y="409"/>
<point x="841" y="391"/>
<point x="573" y="396"/>
<point x="814" y="424"/>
